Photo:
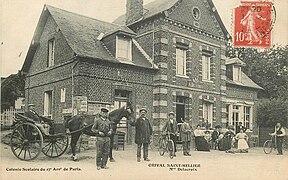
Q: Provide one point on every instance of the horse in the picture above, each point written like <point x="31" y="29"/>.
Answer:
<point x="83" y="123"/>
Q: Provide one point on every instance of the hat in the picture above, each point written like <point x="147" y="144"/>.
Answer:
<point x="31" y="105"/>
<point x="142" y="109"/>
<point x="230" y="127"/>
<point x="171" y="113"/>
<point x="104" y="110"/>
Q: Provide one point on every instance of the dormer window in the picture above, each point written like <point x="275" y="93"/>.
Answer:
<point x="124" y="48"/>
<point x="237" y="73"/>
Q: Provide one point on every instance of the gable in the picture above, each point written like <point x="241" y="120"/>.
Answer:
<point x="207" y="20"/>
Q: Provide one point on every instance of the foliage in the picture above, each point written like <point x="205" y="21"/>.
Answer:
<point x="271" y="112"/>
<point x="11" y="88"/>
<point x="268" y="68"/>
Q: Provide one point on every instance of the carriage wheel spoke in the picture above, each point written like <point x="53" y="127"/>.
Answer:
<point x="46" y="145"/>
<point x="29" y="152"/>
<point x="52" y="150"/>
<point x="48" y="149"/>
<point x="21" y="136"/>
<point x="23" y="132"/>
<point x="21" y="151"/>
<point x="58" y="146"/>
<point x="25" y="150"/>
<point x="56" y="149"/>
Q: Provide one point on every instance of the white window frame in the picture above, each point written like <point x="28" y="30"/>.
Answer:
<point x="128" y="56"/>
<point x="181" y="62"/>
<point x="62" y="94"/>
<point x="208" y="112"/>
<point x="48" y="104"/>
<point x="237" y="73"/>
<point x="247" y="120"/>
<point x="206" y="68"/>
<point x="51" y="50"/>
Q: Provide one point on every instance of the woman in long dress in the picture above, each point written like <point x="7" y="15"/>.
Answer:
<point x="226" y="142"/>
<point x="242" y="143"/>
<point x="200" y="141"/>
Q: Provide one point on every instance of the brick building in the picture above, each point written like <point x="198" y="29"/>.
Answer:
<point x="166" y="56"/>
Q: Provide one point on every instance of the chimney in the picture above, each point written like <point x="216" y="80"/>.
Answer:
<point x="134" y="10"/>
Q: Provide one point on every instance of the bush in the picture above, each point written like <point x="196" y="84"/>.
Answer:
<point x="271" y="112"/>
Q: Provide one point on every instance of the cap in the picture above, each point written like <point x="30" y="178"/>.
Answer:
<point x="142" y="109"/>
<point x="230" y="127"/>
<point x="31" y="105"/>
<point x="171" y="113"/>
<point x="104" y="110"/>
<point x="217" y="126"/>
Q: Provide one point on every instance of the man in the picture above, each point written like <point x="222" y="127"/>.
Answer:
<point x="280" y="133"/>
<point x="38" y="120"/>
<point x="171" y="127"/>
<point x="143" y="133"/>
<point x="240" y="126"/>
<point x="103" y="130"/>
<point x="215" y="136"/>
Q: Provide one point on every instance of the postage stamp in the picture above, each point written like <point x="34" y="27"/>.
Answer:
<point x="253" y="22"/>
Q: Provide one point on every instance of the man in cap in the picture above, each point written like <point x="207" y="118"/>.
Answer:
<point x="171" y="127"/>
<point x="31" y="113"/>
<point x="103" y="130"/>
<point x="215" y="136"/>
<point x="143" y="133"/>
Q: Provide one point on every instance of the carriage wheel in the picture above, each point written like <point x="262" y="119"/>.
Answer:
<point x="26" y="141"/>
<point x="55" y="146"/>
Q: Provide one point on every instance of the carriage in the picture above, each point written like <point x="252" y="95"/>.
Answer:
<point x="28" y="140"/>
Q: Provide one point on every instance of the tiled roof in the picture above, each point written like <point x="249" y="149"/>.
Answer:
<point x="81" y="33"/>
<point x="150" y="9"/>
<point x="158" y="6"/>
<point x="245" y="82"/>
<point x="235" y="61"/>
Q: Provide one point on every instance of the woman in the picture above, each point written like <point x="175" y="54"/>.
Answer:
<point x="242" y="141"/>
<point x="200" y="141"/>
<point x="226" y="141"/>
<point x="185" y="135"/>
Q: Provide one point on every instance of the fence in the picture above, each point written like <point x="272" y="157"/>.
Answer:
<point x="8" y="116"/>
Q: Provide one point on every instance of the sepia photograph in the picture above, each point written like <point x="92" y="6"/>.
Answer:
<point x="144" y="89"/>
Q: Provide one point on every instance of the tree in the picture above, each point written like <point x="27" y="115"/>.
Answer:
<point x="271" y="112"/>
<point x="11" y="88"/>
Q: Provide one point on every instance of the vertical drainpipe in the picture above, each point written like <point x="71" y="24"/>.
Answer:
<point x="72" y="79"/>
<point x="153" y="43"/>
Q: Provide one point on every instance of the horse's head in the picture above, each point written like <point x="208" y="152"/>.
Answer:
<point x="125" y="111"/>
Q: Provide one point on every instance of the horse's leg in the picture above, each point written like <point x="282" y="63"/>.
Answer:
<point x="74" y="140"/>
<point x="111" y="148"/>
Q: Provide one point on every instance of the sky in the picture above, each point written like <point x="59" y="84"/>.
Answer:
<point x="19" y="18"/>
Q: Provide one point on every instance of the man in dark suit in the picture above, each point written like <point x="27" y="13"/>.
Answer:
<point x="143" y="132"/>
<point x="239" y="127"/>
<point x="31" y="113"/>
<point x="171" y="127"/>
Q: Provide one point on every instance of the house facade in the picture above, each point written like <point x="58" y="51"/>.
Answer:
<point x="168" y="55"/>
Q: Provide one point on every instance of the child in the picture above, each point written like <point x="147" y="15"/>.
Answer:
<point x="242" y="141"/>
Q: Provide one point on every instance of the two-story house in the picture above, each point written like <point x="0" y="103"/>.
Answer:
<point x="168" y="55"/>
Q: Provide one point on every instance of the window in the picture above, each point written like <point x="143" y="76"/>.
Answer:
<point x="180" y="61"/>
<point x="51" y="47"/>
<point x="208" y="113"/>
<point x="206" y="67"/>
<point x="235" y="116"/>
<point x="124" y="47"/>
<point x="237" y="73"/>
<point x="63" y="94"/>
<point x="196" y="13"/>
<point x="247" y="116"/>
<point x="48" y="104"/>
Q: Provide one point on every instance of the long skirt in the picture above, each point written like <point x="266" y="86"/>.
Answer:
<point x="201" y="144"/>
<point x="242" y="144"/>
<point x="224" y="144"/>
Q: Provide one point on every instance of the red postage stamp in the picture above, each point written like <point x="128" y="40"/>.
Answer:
<point x="253" y="24"/>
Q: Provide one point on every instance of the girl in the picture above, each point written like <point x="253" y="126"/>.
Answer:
<point x="242" y="141"/>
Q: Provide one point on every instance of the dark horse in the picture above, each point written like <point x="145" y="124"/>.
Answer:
<point x="83" y="123"/>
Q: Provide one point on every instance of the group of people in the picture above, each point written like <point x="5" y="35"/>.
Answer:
<point x="203" y="140"/>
